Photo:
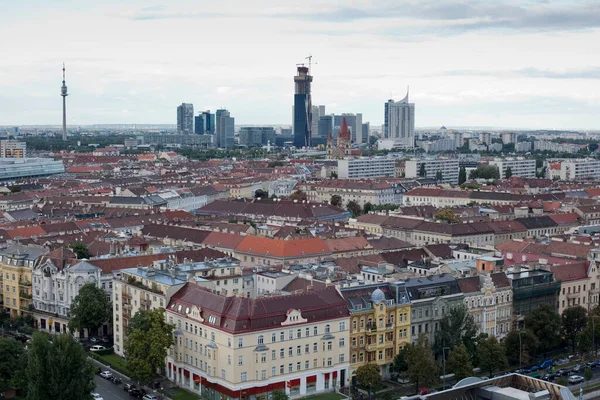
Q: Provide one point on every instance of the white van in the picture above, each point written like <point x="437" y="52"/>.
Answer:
<point x="97" y="348"/>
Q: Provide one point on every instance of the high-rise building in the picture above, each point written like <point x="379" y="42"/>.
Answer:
<point x="199" y="124"/>
<point x="204" y="123"/>
<point x="12" y="149"/>
<point x="365" y="132"/>
<point x="321" y="110"/>
<point x="399" y="122"/>
<point x="63" y="93"/>
<point x="225" y="132"/>
<point x="315" y="119"/>
<point x="257" y="136"/>
<point x="185" y="118"/>
<point x="354" y="122"/>
<point x="485" y="138"/>
<point x="302" y="123"/>
<point x="325" y="125"/>
<point x="518" y="166"/>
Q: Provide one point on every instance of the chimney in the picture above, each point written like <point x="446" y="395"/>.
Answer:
<point x="524" y="257"/>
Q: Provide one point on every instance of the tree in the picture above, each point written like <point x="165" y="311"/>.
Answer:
<point x="448" y="216"/>
<point x="456" y="327"/>
<point x="148" y="339"/>
<point x="90" y="308"/>
<point x="439" y="176"/>
<point x="422" y="368"/>
<point x="399" y="364"/>
<point x="274" y="164"/>
<point x="80" y="250"/>
<point x="11" y="361"/>
<point x="367" y="207"/>
<point x="592" y="147"/>
<point x="485" y="172"/>
<point x="422" y="171"/>
<point x="520" y="352"/>
<point x="459" y="362"/>
<point x="369" y="376"/>
<point x="259" y="193"/>
<point x="279" y="395"/>
<point x="373" y="140"/>
<point x="333" y="175"/>
<point x="462" y="175"/>
<point x="354" y="208"/>
<point x="15" y="189"/>
<point x="508" y="173"/>
<point x="574" y="321"/>
<point x="336" y="200"/>
<point x="545" y="324"/>
<point x="298" y="195"/>
<point x="492" y="356"/>
<point x="58" y="370"/>
<point x="588" y="375"/>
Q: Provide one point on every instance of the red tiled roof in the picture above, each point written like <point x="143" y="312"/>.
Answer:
<point x="26" y="232"/>
<point x="283" y="248"/>
<point x="571" y="272"/>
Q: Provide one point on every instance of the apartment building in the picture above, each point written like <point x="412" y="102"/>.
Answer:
<point x="366" y="168"/>
<point x="431" y="298"/>
<point x="572" y="169"/>
<point x="488" y="298"/>
<point x="518" y="166"/>
<point x="448" y="168"/>
<point x="379" y="323"/>
<point x="239" y="348"/>
<point x="13" y="149"/>
<point x="16" y="264"/>
<point x="359" y="191"/>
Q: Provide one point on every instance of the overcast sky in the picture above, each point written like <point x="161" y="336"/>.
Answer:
<point x="521" y="64"/>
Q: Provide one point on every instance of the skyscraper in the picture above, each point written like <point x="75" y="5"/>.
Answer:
<point x="63" y="93"/>
<point x="302" y="123"/>
<point x="225" y="133"/>
<point x="325" y="125"/>
<point x="185" y="118"/>
<point x="365" y="132"/>
<point x="204" y="123"/>
<point x="399" y="122"/>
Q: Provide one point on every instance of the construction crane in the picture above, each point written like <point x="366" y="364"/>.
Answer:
<point x="309" y="58"/>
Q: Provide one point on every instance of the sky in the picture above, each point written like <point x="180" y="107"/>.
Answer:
<point x="514" y="64"/>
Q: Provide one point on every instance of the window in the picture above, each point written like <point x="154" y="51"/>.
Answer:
<point x="291" y="334"/>
<point x="273" y="337"/>
<point x="228" y="340"/>
<point x="229" y="359"/>
<point x="354" y="325"/>
<point x="329" y="362"/>
<point x="281" y="370"/>
<point x="263" y="374"/>
<point x="282" y="353"/>
<point x="281" y="336"/>
<point x="273" y="354"/>
<point x="307" y="348"/>
<point x="222" y="374"/>
<point x="342" y="326"/>
<point x="341" y="357"/>
<point x="342" y="342"/>
<point x="243" y="377"/>
<point x="316" y="330"/>
<point x="298" y="366"/>
<point x="329" y="346"/>
<point x="240" y="360"/>
<point x="240" y="342"/>
<point x="261" y="339"/>
<point x="263" y="357"/>
<point x="291" y="351"/>
<point x="290" y="367"/>
<point x="306" y="364"/>
<point x="273" y="371"/>
<point x="299" y="350"/>
<point x="315" y="348"/>
<point x="307" y="332"/>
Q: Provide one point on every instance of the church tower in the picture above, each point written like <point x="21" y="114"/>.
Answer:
<point x="344" y="139"/>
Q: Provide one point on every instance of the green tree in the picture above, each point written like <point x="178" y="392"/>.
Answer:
<point x="422" y="368"/>
<point x="462" y="175"/>
<point x="508" y="173"/>
<point x="422" y="171"/>
<point x="456" y="327"/>
<point x="399" y="364"/>
<point x="298" y="195"/>
<point x="259" y="193"/>
<point x="279" y="395"/>
<point x="333" y="175"/>
<point x="373" y="140"/>
<point x="592" y="147"/>
<point x="367" y="207"/>
<point x="354" y="208"/>
<point x="15" y="189"/>
<point x="492" y="356"/>
<point x="148" y="340"/>
<point x="80" y="249"/>
<point x="369" y="376"/>
<point x="439" y="176"/>
<point x="459" y="362"/>
<point x="336" y="200"/>
<point x="545" y="324"/>
<point x="90" y="309"/>
<point x="485" y="172"/>
<point x="574" y="321"/>
<point x="448" y="216"/>
<point x="526" y="347"/>
<point x="588" y="375"/>
<point x="274" y="164"/>
<point x="11" y="362"/>
<point x="58" y="370"/>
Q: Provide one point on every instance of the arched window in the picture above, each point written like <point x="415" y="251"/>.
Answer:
<point x="261" y="339"/>
<point x="327" y="328"/>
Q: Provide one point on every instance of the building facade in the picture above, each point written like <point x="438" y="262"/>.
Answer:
<point x="446" y="166"/>
<point x="518" y="166"/>
<point x="366" y="168"/>
<point x="257" y="136"/>
<point x="399" y="125"/>
<point x="185" y="118"/>
<point x="13" y="149"/>
<point x="572" y="169"/>
<point x="225" y="130"/>
<point x="240" y="348"/>
<point x="302" y="121"/>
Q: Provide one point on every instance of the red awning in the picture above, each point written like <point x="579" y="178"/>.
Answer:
<point x="327" y="376"/>
<point x="311" y="379"/>
<point x="169" y="366"/>
<point x="294" y="382"/>
<point x="334" y="374"/>
<point x="186" y="373"/>
<point x="197" y="379"/>
<point x="174" y="368"/>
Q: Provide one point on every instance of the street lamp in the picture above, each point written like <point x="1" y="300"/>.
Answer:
<point x="444" y="363"/>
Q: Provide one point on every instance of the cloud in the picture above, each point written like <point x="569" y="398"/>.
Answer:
<point x="583" y="73"/>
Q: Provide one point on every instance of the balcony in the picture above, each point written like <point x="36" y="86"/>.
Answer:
<point x="25" y="283"/>
<point x="126" y="315"/>
<point x="371" y="328"/>
<point x="126" y="295"/>
<point x="146" y="303"/>
<point x="389" y="327"/>
<point x="25" y="295"/>
<point x="371" y="347"/>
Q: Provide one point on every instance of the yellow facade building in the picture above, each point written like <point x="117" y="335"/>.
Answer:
<point x="379" y="323"/>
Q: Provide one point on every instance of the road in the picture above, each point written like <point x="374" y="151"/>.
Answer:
<point x="110" y="391"/>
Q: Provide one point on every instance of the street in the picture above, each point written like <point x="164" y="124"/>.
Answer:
<point x="108" y="390"/>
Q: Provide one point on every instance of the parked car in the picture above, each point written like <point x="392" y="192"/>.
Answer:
<point x="578" y="368"/>
<point x="96" y="396"/>
<point x="116" y="380"/>
<point x="136" y="393"/>
<point x="106" y="374"/>
<point x="575" y="379"/>
<point x="592" y="364"/>
<point x="150" y="397"/>
<point x="423" y="391"/>
<point x="547" y="377"/>
<point x="97" y="348"/>
<point x="128" y="386"/>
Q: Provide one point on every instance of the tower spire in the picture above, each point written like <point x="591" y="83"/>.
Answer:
<point x="64" y="94"/>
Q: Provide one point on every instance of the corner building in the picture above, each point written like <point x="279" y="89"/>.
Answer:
<point x="241" y="348"/>
<point x="379" y="324"/>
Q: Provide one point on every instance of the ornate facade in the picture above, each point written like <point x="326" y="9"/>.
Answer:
<point x="343" y="148"/>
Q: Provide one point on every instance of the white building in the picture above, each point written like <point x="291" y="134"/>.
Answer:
<point x="12" y="149"/>
<point x="447" y="167"/>
<point x="400" y="122"/>
<point x="509" y="137"/>
<point x="485" y="138"/>
<point x="447" y="144"/>
<point x="523" y="147"/>
<point x="571" y="169"/>
<point x="519" y="166"/>
<point x="366" y="168"/>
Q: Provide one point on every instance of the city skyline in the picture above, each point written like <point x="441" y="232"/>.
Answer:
<point x="514" y="65"/>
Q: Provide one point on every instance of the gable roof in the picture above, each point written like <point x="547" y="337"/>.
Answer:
<point x="283" y="248"/>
